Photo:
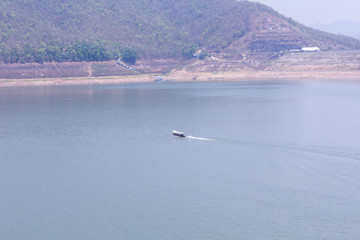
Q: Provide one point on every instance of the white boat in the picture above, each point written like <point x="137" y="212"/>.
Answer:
<point x="178" y="134"/>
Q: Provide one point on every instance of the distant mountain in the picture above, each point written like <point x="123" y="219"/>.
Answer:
<point x="347" y="28"/>
<point x="92" y="30"/>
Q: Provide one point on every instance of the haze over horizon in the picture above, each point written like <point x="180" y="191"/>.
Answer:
<point x="311" y="12"/>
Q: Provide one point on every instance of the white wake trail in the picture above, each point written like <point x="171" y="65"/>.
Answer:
<point x="198" y="138"/>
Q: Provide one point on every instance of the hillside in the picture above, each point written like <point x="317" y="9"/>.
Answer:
<point x="89" y="30"/>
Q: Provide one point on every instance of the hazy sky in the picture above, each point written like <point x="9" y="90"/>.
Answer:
<point x="317" y="11"/>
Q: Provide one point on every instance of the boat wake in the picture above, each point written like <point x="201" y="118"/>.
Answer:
<point x="334" y="151"/>
<point x="349" y="153"/>
<point x="198" y="138"/>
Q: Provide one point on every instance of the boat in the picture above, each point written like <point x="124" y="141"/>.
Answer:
<point x="178" y="134"/>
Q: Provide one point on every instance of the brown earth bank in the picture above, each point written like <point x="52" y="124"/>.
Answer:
<point x="298" y="65"/>
<point x="84" y="69"/>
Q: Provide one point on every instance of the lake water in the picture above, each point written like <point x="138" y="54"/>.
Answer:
<point x="275" y="160"/>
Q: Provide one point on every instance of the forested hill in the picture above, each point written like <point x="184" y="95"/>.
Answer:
<point x="93" y="30"/>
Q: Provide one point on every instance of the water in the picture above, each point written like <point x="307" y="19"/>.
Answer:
<point x="267" y="160"/>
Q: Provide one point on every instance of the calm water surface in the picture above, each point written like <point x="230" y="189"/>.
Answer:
<point x="99" y="162"/>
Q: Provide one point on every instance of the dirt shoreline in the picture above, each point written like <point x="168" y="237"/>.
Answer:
<point x="74" y="81"/>
<point x="188" y="76"/>
<point x="330" y="65"/>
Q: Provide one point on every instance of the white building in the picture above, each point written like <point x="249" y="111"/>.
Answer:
<point x="310" y="49"/>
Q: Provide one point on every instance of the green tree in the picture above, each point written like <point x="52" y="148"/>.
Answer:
<point x="189" y="52"/>
<point x="204" y="55"/>
<point x="129" y="55"/>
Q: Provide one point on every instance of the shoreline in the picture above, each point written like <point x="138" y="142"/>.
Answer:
<point x="184" y="76"/>
<point x="328" y="65"/>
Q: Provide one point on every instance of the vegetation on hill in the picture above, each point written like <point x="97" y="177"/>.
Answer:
<point x="92" y="30"/>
